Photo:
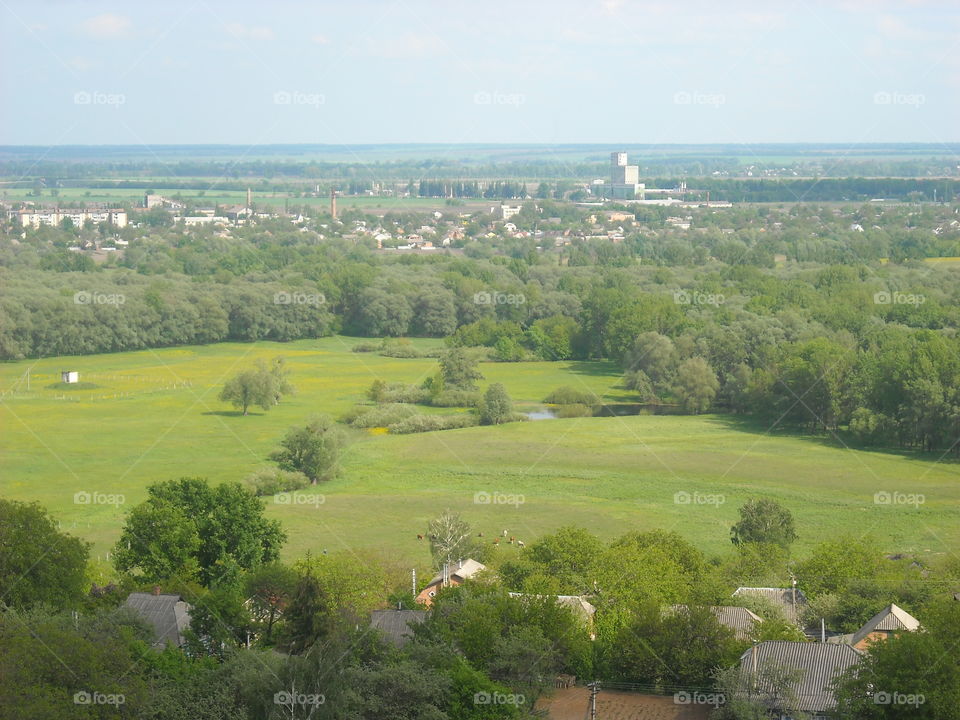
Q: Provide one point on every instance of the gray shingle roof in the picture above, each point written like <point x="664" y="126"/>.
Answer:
<point x="891" y="618"/>
<point x="782" y="597"/>
<point x="462" y="570"/>
<point x="820" y="664"/>
<point x="739" y="619"/>
<point x="168" y="614"/>
<point x="397" y="624"/>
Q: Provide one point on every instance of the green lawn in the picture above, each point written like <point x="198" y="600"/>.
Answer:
<point x="153" y="415"/>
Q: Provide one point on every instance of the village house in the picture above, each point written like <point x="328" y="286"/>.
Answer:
<point x="742" y="621"/>
<point x="790" y="600"/>
<point x="885" y="624"/>
<point x="817" y="666"/>
<point x="169" y="616"/>
<point x="450" y="576"/>
<point x="397" y="624"/>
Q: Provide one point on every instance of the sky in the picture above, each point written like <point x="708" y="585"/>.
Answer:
<point x="451" y="71"/>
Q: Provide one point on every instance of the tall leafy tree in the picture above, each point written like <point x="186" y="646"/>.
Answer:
<point x="313" y="449"/>
<point x="450" y="538"/>
<point x="496" y="406"/>
<point x="186" y="528"/>
<point x="38" y="563"/>
<point x="460" y="369"/>
<point x="696" y="385"/>
<point x="764" y="521"/>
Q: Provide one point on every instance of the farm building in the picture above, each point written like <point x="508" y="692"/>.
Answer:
<point x="397" y="625"/>
<point x="739" y="619"/>
<point x="451" y="576"/>
<point x="889" y="621"/>
<point x="169" y="616"/>
<point x="70" y="376"/>
<point x="817" y="665"/>
<point x="790" y="600"/>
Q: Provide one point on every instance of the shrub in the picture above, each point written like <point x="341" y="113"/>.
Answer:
<point x="566" y="395"/>
<point x="365" y="347"/>
<point x="379" y="416"/>
<point x="429" y="423"/>
<point x="456" y="398"/>
<point x="400" y="351"/>
<point x="402" y="393"/>
<point x="270" y="481"/>
<point x="574" y="410"/>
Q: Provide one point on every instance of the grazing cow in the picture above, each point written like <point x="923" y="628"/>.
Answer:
<point x="520" y="543"/>
<point x="496" y="541"/>
<point x="419" y="537"/>
<point x="504" y="533"/>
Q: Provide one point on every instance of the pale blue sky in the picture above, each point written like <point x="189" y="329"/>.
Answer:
<point x="548" y="71"/>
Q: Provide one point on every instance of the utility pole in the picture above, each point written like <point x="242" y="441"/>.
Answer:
<point x="594" y="689"/>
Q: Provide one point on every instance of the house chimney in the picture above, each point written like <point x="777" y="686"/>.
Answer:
<point x="156" y="589"/>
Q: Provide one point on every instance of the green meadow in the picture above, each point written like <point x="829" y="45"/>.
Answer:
<point x="142" y="417"/>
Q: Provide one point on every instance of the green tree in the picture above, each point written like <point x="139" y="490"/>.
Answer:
<point x="313" y="449"/>
<point x="764" y="521"/>
<point x="696" y="385"/>
<point x="38" y="563"/>
<point x="496" y="407"/>
<point x="309" y="616"/>
<point x="681" y="646"/>
<point x="269" y="589"/>
<point x="460" y="369"/>
<point x="909" y="675"/>
<point x="252" y="387"/>
<point x="760" y="695"/>
<point x="186" y="528"/>
<point x="450" y="538"/>
<point x="49" y="663"/>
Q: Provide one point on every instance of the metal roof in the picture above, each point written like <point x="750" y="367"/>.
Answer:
<point x="463" y="569"/>
<point x="820" y="664"/>
<point x="739" y="619"/>
<point x="782" y="597"/>
<point x="397" y="624"/>
<point x="891" y="618"/>
<point x="168" y="614"/>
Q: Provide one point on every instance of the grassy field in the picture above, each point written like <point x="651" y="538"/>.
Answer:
<point x="153" y="415"/>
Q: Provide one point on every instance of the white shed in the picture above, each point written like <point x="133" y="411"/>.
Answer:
<point x="70" y="376"/>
